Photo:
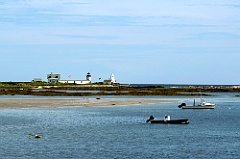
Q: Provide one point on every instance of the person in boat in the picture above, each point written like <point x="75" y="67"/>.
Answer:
<point x="166" y="118"/>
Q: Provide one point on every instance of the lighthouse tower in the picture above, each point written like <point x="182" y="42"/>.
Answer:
<point x="112" y="78"/>
<point x="88" y="77"/>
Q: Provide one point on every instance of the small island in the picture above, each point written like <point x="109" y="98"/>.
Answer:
<point x="99" y="89"/>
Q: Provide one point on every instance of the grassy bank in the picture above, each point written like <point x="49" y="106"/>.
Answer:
<point x="59" y="89"/>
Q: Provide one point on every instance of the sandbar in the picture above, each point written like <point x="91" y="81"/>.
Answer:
<point x="28" y="103"/>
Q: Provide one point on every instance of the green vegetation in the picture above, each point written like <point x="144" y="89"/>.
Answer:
<point x="65" y="89"/>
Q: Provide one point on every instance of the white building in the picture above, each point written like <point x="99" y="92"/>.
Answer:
<point x="87" y="81"/>
<point x="53" y="78"/>
<point x="75" y="81"/>
<point x="111" y="80"/>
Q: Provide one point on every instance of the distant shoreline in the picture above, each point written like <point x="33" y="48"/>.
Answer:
<point x="184" y="85"/>
<point x="115" y="90"/>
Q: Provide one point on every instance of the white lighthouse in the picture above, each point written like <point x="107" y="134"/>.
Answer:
<point x="112" y="78"/>
<point x="88" y="76"/>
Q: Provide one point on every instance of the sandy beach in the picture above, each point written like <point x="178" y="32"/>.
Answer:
<point x="27" y="103"/>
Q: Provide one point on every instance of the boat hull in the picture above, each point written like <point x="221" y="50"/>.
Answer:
<point x="202" y="105"/>
<point x="198" y="107"/>
<point x="178" y="121"/>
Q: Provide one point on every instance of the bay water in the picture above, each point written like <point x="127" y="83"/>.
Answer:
<point x="121" y="131"/>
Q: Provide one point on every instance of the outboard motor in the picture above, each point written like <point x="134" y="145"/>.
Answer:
<point x="181" y="105"/>
<point x="150" y="119"/>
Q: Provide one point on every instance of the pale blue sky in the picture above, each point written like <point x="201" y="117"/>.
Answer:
<point x="140" y="41"/>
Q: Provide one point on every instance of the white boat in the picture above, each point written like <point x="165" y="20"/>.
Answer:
<point x="201" y="105"/>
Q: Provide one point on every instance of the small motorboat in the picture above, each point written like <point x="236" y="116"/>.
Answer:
<point x="35" y="136"/>
<point x="201" y="105"/>
<point x="167" y="120"/>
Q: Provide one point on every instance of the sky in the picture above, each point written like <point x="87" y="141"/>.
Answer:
<point x="139" y="41"/>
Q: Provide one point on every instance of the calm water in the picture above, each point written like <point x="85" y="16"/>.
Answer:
<point x="121" y="131"/>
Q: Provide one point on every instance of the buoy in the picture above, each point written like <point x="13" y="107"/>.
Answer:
<point x="38" y="136"/>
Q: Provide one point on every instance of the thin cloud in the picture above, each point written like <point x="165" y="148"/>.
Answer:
<point x="76" y="3"/>
<point x="87" y="37"/>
